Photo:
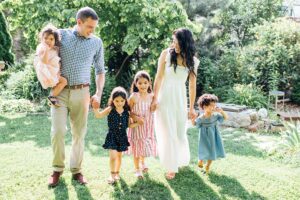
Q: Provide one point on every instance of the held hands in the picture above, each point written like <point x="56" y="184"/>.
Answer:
<point x="153" y="105"/>
<point x="95" y="101"/>
<point x="192" y="114"/>
<point x="140" y="120"/>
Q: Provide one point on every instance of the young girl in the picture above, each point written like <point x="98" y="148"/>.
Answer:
<point x="47" y="64"/>
<point x="118" y="121"/>
<point x="141" y="139"/>
<point x="210" y="142"/>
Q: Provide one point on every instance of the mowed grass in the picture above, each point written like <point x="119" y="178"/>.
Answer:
<point x="246" y="173"/>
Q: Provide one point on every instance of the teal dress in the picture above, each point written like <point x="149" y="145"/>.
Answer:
<point x="210" y="141"/>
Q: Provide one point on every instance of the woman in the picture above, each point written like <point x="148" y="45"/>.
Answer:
<point x="175" y="65"/>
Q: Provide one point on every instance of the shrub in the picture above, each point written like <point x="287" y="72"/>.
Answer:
<point x="19" y="106"/>
<point x="5" y="42"/>
<point x="292" y="135"/>
<point x="274" y="56"/>
<point x="249" y="95"/>
<point x="295" y="96"/>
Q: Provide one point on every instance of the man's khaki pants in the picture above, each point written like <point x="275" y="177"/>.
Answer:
<point x="74" y="102"/>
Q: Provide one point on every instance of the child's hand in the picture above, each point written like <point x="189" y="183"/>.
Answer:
<point x="140" y="121"/>
<point x="45" y="46"/>
<point x="95" y="102"/>
<point x="219" y="110"/>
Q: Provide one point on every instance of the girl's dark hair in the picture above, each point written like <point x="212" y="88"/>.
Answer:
<point x="206" y="99"/>
<point x="50" y="30"/>
<point x="138" y="75"/>
<point x="187" y="49"/>
<point x="118" y="92"/>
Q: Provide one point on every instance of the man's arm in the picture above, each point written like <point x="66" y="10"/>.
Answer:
<point x="100" y="76"/>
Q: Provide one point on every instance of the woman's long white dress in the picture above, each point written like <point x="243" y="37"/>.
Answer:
<point x="171" y="118"/>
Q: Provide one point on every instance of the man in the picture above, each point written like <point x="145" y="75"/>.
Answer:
<point x="79" y="50"/>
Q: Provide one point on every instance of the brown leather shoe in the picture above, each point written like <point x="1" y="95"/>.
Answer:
<point x="79" y="177"/>
<point x="54" y="179"/>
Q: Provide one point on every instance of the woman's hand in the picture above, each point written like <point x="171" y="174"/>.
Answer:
<point x="192" y="113"/>
<point x="153" y="105"/>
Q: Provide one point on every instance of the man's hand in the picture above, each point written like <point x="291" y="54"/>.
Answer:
<point x="95" y="101"/>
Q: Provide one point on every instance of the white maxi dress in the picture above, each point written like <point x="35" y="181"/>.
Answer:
<point x="171" y="117"/>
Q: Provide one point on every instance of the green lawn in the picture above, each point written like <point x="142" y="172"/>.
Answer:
<point x="246" y="173"/>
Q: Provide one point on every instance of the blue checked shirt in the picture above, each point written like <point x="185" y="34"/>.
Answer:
<point x="78" y="54"/>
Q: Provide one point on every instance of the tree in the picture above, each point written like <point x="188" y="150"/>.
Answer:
<point x="133" y="31"/>
<point x="5" y="42"/>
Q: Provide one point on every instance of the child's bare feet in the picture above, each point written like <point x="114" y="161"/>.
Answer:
<point x="138" y="174"/>
<point x="207" y="169"/>
<point x="144" y="168"/>
<point x="117" y="176"/>
<point x="111" y="179"/>
<point x="200" y="164"/>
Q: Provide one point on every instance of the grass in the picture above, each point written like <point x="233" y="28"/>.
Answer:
<point x="246" y="173"/>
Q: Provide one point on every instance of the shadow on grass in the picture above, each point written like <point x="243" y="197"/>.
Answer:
<point x="235" y="142"/>
<point x="24" y="127"/>
<point x="36" y="128"/>
<point x="188" y="185"/>
<point x="82" y="191"/>
<point x="238" y="143"/>
<point x="146" y="188"/>
<point x="61" y="190"/>
<point x="231" y="187"/>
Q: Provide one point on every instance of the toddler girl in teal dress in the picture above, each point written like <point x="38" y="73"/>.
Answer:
<point x="210" y="141"/>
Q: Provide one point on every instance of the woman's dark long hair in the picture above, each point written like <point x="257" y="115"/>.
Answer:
<point x="118" y="92"/>
<point x="141" y="74"/>
<point x="187" y="49"/>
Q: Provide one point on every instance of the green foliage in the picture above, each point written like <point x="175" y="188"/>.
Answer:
<point x="133" y="31"/>
<point x="249" y="95"/>
<point x="5" y="42"/>
<point x="295" y="96"/>
<point x="274" y="57"/>
<point x="240" y="16"/>
<point x="19" y="106"/>
<point x="217" y="76"/>
<point x="203" y="8"/>
<point x="23" y="83"/>
<point x="3" y="77"/>
<point x="292" y="134"/>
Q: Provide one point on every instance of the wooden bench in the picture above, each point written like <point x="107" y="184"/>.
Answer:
<point x="289" y="116"/>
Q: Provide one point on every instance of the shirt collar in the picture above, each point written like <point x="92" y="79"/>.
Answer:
<point x="76" y="33"/>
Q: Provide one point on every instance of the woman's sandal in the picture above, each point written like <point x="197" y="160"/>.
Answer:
<point x="111" y="180"/>
<point x="170" y="175"/>
<point x="53" y="101"/>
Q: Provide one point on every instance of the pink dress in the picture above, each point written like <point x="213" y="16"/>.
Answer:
<point x="47" y="74"/>
<point x="142" y="140"/>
